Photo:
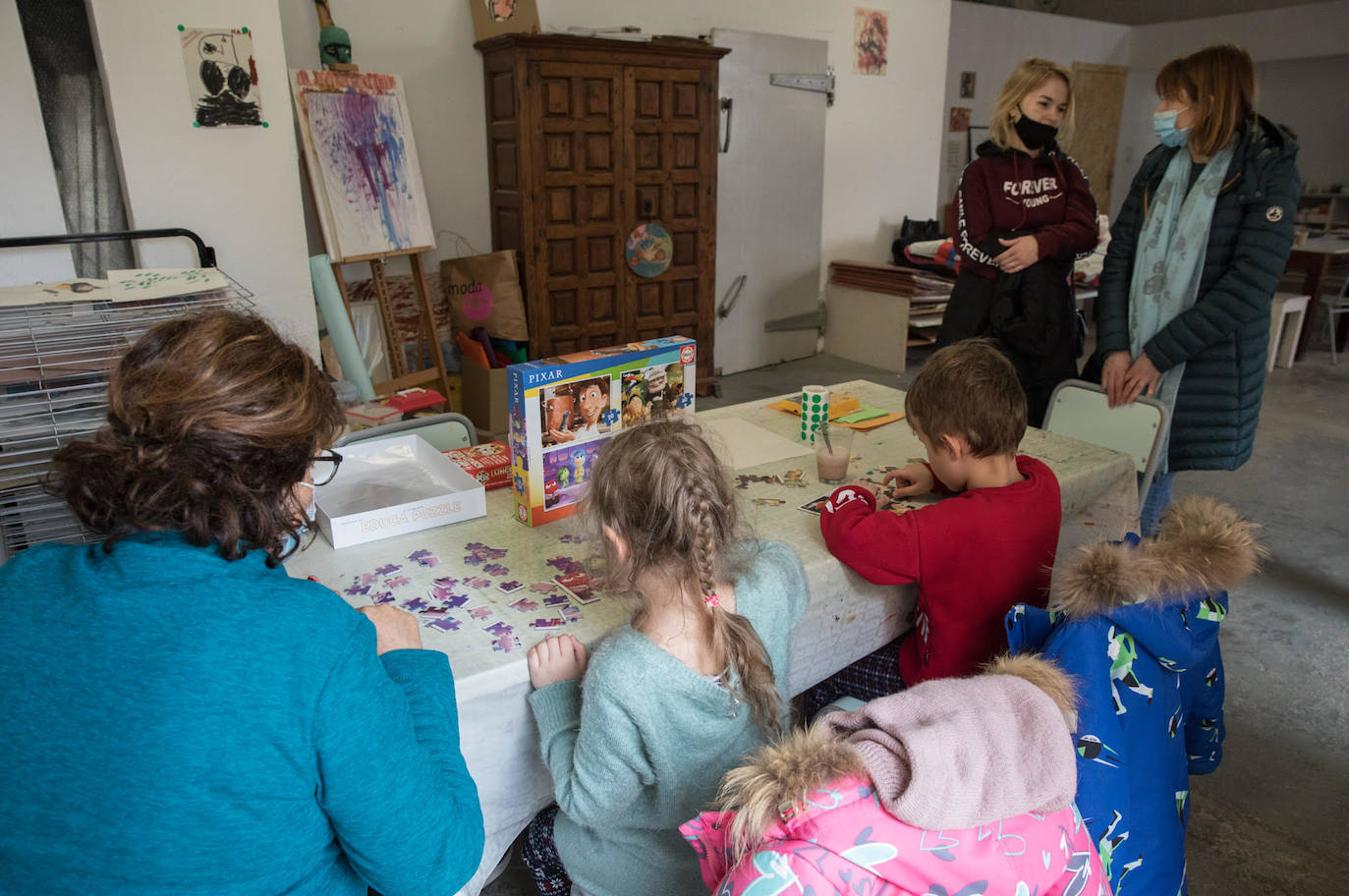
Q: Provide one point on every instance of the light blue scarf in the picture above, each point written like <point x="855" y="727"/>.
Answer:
<point x="1170" y="259"/>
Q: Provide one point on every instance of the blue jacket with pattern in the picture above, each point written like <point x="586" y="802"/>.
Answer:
<point x="1136" y="624"/>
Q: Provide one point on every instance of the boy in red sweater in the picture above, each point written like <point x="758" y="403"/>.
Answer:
<point x="988" y="545"/>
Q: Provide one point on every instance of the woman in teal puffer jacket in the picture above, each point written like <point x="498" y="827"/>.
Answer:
<point x="1192" y="327"/>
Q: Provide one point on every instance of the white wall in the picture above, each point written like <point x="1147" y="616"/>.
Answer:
<point x="879" y="151"/>
<point x="992" y="40"/>
<point x="236" y="187"/>
<point x="32" y="202"/>
<point x="1279" y="35"/>
<point x="1309" y="96"/>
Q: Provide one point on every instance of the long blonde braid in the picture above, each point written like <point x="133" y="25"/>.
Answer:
<point x="663" y="490"/>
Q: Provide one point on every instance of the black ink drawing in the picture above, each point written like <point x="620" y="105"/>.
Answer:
<point x="222" y="76"/>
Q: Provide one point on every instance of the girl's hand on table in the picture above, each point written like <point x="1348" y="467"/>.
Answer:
<point x="556" y="658"/>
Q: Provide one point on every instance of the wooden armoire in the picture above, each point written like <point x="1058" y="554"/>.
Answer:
<point x="586" y="139"/>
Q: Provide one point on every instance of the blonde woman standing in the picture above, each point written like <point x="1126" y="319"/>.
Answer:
<point x="1025" y="212"/>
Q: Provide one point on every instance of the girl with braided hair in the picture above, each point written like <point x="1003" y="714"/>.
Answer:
<point x="674" y="699"/>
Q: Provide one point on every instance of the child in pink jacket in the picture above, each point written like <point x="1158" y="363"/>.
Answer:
<point x="955" y="787"/>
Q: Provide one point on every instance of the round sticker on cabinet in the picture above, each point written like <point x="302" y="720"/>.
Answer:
<point x="649" y="250"/>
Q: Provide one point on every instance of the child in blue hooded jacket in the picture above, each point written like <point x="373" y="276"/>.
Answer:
<point x="1136" y="625"/>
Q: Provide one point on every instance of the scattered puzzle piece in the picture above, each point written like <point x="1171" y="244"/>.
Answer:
<point x="480" y="612"/>
<point x="424" y="557"/>
<point x="444" y="624"/>
<point x="397" y="582"/>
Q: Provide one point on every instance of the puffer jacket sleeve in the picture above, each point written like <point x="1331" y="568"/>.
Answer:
<point x="1112" y="299"/>
<point x="1243" y="294"/>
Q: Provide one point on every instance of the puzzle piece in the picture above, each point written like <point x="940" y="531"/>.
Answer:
<point x="397" y="582"/>
<point x="444" y="624"/>
<point x="388" y="569"/>
<point x="423" y="557"/>
<point x="506" y="644"/>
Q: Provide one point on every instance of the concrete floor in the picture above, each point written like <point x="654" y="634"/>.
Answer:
<point x="1274" y="819"/>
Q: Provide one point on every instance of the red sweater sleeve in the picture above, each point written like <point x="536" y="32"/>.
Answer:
<point x="881" y="546"/>
<point x="1078" y="234"/>
<point x="974" y="218"/>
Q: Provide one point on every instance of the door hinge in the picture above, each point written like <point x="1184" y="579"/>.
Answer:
<point x="813" y="83"/>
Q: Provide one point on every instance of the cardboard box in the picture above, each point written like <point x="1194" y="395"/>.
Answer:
<point x="563" y="411"/>
<point x="485" y="399"/>
<point x="489" y="463"/>
<point x="394" y="486"/>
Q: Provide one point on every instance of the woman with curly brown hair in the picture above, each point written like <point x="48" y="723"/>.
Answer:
<point x="179" y="715"/>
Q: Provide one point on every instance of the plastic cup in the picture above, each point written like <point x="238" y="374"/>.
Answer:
<point x="833" y="451"/>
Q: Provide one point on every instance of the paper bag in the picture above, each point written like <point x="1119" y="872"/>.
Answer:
<point x="484" y="291"/>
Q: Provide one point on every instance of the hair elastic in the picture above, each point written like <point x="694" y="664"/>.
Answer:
<point x="712" y="600"/>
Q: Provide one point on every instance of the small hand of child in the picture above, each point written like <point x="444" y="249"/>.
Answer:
<point x="561" y="435"/>
<point x="914" y="479"/>
<point x="556" y="658"/>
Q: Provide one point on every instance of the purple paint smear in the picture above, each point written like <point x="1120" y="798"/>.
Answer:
<point x="360" y="138"/>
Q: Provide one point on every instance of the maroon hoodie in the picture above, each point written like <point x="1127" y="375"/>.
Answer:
<point x="1005" y="190"/>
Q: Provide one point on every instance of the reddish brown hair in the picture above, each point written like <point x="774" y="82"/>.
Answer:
<point x="1219" y="84"/>
<point x="212" y="420"/>
<point x="969" y="390"/>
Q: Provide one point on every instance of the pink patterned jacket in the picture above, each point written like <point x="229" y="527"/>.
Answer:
<point x="844" y="841"/>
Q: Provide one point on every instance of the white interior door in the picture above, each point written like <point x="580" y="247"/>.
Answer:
<point x="770" y="192"/>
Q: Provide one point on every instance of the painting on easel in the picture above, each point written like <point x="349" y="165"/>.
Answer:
<point x="362" y="163"/>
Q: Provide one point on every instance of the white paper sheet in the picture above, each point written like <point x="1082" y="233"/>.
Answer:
<point x="742" y="445"/>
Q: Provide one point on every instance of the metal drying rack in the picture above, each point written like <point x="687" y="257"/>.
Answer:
<point x="54" y="363"/>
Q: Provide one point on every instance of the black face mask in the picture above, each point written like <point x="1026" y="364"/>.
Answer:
<point x="1034" y="134"/>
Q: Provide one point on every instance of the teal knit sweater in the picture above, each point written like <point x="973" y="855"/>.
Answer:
<point x="175" y="724"/>
<point x="640" y="747"/>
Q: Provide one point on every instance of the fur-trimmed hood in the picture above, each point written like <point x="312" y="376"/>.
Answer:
<point x="1203" y="545"/>
<point x="947" y="753"/>
<point x="1153" y="589"/>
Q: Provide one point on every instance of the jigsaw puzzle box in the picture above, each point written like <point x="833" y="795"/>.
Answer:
<point x="564" y="410"/>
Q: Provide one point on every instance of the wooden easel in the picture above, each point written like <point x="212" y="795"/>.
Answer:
<point x="401" y="378"/>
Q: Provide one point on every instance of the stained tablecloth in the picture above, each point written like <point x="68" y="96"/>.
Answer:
<point x="470" y="580"/>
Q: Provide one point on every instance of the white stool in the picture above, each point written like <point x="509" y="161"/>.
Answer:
<point x="1283" y="340"/>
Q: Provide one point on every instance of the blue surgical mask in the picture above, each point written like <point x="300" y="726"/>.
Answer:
<point x="1164" y="126"/>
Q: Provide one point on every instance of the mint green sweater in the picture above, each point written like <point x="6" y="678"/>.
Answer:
<point x="640" y="747"/>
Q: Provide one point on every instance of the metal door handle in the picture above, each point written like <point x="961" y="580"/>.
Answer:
<point x="726" y="124"/>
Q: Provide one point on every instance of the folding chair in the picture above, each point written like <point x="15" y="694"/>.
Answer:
<point x="1079" y="410"/>
<point x="443" y="431"/>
